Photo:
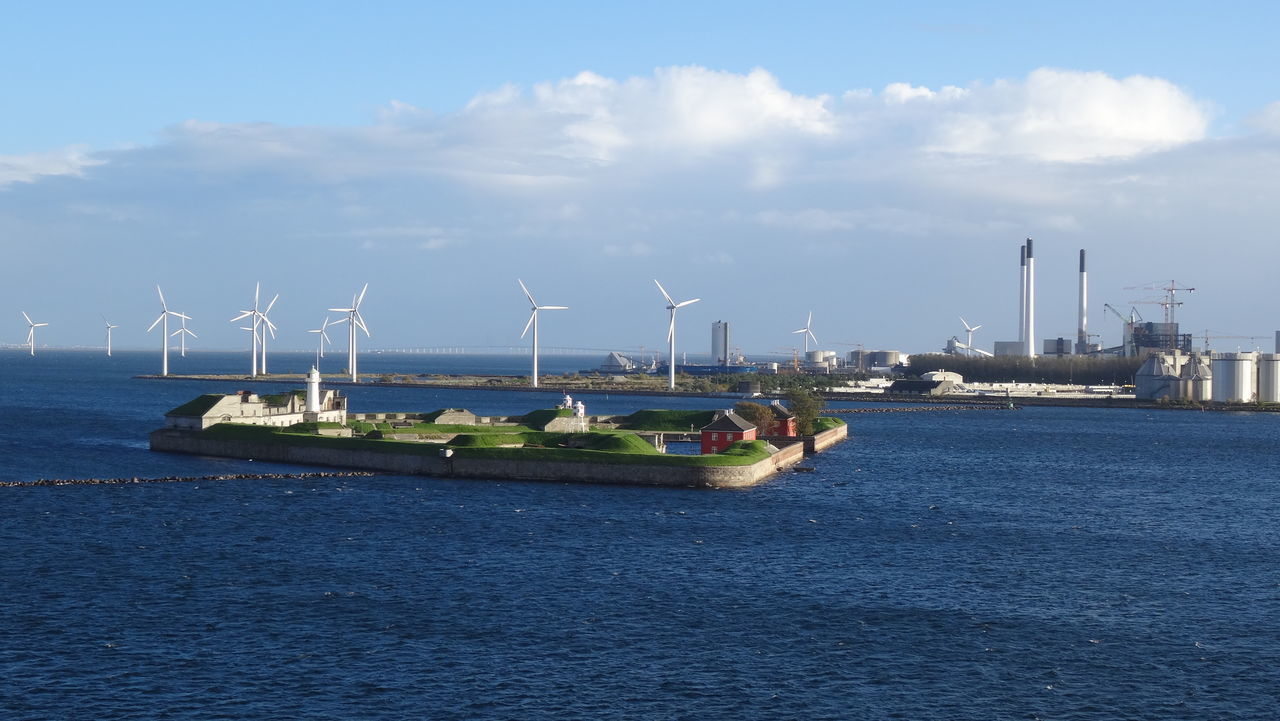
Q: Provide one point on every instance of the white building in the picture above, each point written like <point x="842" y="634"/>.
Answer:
<point x="309" y="406"/>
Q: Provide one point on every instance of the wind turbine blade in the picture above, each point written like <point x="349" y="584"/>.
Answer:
<point x="176" y="314"/>
<point x="664" y="292"/>
<point x="687" y="302"/>
<point x="527" y="294"/>
<point x="161" y="294"/>
<point x="326" y="323"/>
<point x="31" y="334"/>
<point x="359" y="321"/>
<point x="671" y="330"/>
<point x="812" y="337"/>
<point x="360" y="300"/>
<point x="326" y="337"/>
<point x="553" y="307"/>
<point x="242" y="316"/>
<point x="177" y="332"/>
<point x="341" y="310"/>
<point x="257" y="289"/>
<point x="24" y="315"/>
<point x="191" y="333"/>
<point x="156" y="322"/>
<point x="529" y="323"/>
<point x="339" y="321"/>
<point x="38" y="325"/>
<point x="976" y="327"/>
<point x="273" y="302"/>
<point x="809" y="323"/>
<point x="801" y="330"/>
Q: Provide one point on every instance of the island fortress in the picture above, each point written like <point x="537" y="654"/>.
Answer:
<point x="313" y="427"/>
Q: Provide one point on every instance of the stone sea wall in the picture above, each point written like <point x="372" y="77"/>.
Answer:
<point x="177" y="441"/>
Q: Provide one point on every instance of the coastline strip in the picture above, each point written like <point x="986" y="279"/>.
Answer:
<point x="185" y="479"/>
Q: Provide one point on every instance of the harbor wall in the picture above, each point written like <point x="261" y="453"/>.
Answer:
<point x="177" y="441"/>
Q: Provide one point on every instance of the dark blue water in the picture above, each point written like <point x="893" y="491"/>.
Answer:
<point x="1045" y="563"/>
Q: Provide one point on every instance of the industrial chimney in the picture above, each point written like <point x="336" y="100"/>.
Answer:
<point x="1082" y="332"/>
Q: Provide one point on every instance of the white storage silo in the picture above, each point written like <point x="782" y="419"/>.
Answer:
<point x="1233" y="377"/>
<point x="1269" y="378"/>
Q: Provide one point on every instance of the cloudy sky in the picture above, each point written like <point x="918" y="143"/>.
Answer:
<point x="876" y="166"/>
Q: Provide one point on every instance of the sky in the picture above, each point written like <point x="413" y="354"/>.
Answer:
<point x="876" y="164"/>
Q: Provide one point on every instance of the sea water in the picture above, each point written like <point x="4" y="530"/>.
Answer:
<point x="1047" y="563"/>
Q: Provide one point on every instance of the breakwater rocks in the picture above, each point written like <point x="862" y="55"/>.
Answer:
<point x="920" y="409"/>
<point x="184" y="479"/>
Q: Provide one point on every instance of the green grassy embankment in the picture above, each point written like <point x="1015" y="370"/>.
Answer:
<point x="609" y="448"/>
<point x="662" y="420"/>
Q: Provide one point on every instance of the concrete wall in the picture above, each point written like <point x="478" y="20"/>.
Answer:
<point x="177" y="441"/>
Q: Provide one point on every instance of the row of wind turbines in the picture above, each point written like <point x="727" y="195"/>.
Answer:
<point x="260" y="327"/>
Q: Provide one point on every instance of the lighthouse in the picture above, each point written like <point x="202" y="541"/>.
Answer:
<point x="313" y="391"/>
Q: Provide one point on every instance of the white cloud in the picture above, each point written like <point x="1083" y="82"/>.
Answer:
<point x="27" y="168"/>
<point x="1267" y="119"/>
<point x="1060" y="115"/>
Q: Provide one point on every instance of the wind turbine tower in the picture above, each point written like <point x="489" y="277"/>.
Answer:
<point x="31" y="332"/>
<point x="969" y="339"/>
<point x="109" y="329"/>
<point x="321" y="339"/>
<point x="354" y="321"/>
<point x="265" y="326"/>
<point x="252" y="314"/>
<point x="163" y="322"/>
<point x="671" y="333"/>
<point x="182" y="334"/>
<point x="808" y="333"/>
<point x="533" y="321"/>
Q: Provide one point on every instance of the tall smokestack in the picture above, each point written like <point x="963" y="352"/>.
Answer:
<point x="1082" y="332"/>
<point x="1031" y="301"/>
<point x="1022" y="295"/>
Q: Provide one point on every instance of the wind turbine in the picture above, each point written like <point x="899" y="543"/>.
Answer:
<point x="969" y="329"/>
<point x="353" y="320"/>
<point x="671" y="333"/>
<point x="163" y="320"/>
<point x="533" y="321"/>
<point x="109" y="327"/>
<point x="182" y="334"/>
<point x="807" y="332"/>
<point x="31" y="331"/>
<point x="266" y="326"/>
<point x="252" y="314"/>
<point x="322" y="339"/>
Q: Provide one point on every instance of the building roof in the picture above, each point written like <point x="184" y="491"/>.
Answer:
<point x="198" y="406"/>
<point x="780" y="411"/>
<point x="729" y="421"/>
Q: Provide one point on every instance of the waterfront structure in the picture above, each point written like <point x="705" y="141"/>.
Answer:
<point x="727" y="429"/>
<point x="309" y="406"/>
<point x="784" y="421"/>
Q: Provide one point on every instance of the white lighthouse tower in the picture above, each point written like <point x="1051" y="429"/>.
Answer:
<point x="313" y="391"/>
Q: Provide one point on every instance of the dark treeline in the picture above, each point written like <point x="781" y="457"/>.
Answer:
<point x="1081" y="370"/>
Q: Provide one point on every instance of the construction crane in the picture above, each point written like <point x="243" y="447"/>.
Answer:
<point x="1169" y="302"/>
<point x="1216" y="336"/>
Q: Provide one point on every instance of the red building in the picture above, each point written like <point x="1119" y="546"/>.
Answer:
<point x="727" y="428"/>
<point x="784" y="421"/>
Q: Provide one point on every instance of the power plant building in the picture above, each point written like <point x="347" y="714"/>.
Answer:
<point x="720" y="344"/>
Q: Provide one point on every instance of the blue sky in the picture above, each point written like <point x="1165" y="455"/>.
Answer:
<point x="876" y="163"/>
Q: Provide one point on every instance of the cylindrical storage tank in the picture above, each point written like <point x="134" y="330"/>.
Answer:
<point x="1233" y="377"/>
<point x="815" y="356"/>
<point x="1269" y="378"/>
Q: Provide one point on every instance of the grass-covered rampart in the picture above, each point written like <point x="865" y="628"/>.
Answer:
<point x="603" y="447"/>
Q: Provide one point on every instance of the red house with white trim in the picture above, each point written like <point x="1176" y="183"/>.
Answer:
<point x="727" y="428"/>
